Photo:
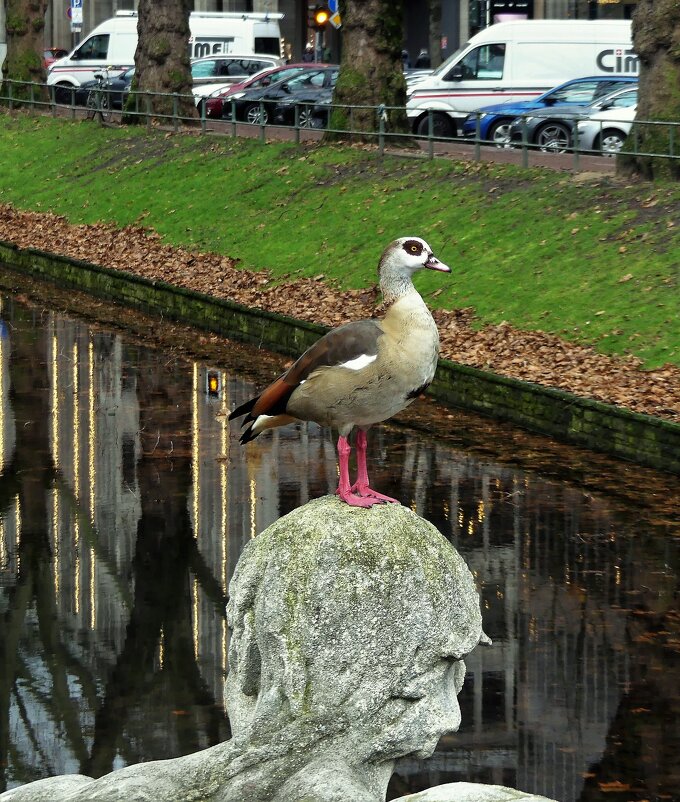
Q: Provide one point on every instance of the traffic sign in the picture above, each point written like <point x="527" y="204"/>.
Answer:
<point x="335" y="20"/>
<point x="75" y="12"/>
<point x="333" y="6"/>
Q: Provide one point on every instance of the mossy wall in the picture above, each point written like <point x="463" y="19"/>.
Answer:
<point x="601" y="427"/>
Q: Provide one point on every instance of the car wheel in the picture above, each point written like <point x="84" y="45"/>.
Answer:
<point x="610" y="142"/>
<point x="255" y="115"/>
<point x="442" y="125"/>
<point x="306" y="118"/>
<point x="553" y="137"/>
<point x="499" y="133"/>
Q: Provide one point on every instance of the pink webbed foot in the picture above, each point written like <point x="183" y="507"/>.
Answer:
<point x="362" y="485"/>
<point x="366" y="492"/>
<point x="356" y="501"/>
<point x="344" y="490"/>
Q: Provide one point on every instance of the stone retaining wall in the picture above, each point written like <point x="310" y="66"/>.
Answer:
<point x="601" y="427"/>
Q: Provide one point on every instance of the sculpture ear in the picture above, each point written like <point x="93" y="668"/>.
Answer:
<point x="249" y="662"/>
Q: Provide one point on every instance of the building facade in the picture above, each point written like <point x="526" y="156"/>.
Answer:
<point x="459" y="18"/>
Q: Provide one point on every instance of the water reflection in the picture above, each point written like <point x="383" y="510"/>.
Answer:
<point x="124" y="505"/>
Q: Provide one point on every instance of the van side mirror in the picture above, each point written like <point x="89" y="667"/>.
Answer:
<point x="456" y="73"/>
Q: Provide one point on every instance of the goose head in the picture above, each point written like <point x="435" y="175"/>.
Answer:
<point x="400" y="260"/>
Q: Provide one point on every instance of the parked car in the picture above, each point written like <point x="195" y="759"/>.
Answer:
<point x="551" y="129"/>
<point x="277" y="102"/>
<point x="230" y="68"/>
<point x="606" y="131"/>
<point x="313" y="112"/>
<point x="51" y="54"/>
<point x="117" y="86"/>
<point x="215" y="95"/>
<point x="494" y="121"/>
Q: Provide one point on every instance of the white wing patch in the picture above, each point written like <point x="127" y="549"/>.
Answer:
<point x="360" y="362"/>
<point x="261" y="422"/>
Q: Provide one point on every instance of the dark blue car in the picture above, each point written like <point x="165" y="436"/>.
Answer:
<point x="494" y="121"/>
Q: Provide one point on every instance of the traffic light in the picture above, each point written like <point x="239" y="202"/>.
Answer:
<point x="317" y="16"/>
<point x="322" y="16"/>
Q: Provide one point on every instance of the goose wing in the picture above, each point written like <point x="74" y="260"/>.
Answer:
<point x="347" y="345"/>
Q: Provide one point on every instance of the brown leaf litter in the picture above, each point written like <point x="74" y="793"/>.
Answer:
<point x="533" y="356"/>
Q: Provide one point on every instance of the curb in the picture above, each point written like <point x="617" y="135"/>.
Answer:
<point x="594" y="425"/>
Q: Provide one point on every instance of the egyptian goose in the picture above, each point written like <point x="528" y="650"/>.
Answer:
<point x="360" y="373"/>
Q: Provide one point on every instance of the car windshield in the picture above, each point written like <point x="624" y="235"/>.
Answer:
<point x="272" y="77"/>
<point x="618" y="100"/>
<point x="584" y="92"/>
<point x="307" y="80"/>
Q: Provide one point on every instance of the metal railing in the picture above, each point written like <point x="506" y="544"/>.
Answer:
<point x="311" y="120"/>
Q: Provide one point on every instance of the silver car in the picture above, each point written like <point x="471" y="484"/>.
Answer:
<point x="230" y="67"/>
<point x="606" y="131"/>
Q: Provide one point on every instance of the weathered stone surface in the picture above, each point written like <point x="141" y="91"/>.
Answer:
<point x="349" y="631"/>
<point x="471" y="792"/>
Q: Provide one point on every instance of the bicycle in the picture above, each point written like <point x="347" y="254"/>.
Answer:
<point x="98" y="99"/>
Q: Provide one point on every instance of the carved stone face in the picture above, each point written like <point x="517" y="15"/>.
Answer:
<point x="353" y="628"/>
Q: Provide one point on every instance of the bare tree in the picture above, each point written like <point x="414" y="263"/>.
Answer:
<point x="25" y="22"/>
<point x="656" y="40"/>
<point x="371" y="68"/>
<point x="162" y="64"/>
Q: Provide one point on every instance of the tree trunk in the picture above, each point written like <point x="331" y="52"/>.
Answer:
<point x="371" y="68"/>
<point x="656" y="40"/>
<point x="25" y="22"/>
<point x="162" y="65"/>
<point x="435" y="7"/>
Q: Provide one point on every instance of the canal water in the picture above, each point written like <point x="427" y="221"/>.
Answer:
<point x="125" y="502"/>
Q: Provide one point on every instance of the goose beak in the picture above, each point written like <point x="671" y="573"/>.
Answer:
<point x="434" y="264"/>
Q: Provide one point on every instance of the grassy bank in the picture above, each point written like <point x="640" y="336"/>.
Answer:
<point x="594" y="261"/>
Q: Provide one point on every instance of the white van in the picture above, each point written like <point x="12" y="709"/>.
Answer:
<point x="512" y="61"/>
<point x="113" y="43"/>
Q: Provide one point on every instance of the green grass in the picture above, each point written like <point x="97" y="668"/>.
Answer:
<point x="592" y="261"/>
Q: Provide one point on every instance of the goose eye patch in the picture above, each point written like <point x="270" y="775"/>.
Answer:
<point x="413" y="247"/>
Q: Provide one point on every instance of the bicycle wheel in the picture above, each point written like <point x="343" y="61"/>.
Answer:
<point x="91" y="104"/>
<point x="98" y="103"/>
<point x="105" y="107"/>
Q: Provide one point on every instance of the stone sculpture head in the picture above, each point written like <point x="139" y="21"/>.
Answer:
<point x="349" y="629"/>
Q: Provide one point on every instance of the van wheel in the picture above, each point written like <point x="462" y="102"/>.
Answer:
<point x="64" y="93"/>
<point x="442" y="125"/>
<point x="499" y="133"/>
<point x="553" y="137"/>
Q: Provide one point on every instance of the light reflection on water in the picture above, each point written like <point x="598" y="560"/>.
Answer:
<point x="125" y="503"/>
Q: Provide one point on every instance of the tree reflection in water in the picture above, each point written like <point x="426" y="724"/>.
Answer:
<point x="123" y="512"/>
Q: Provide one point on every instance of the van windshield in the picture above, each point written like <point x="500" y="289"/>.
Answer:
<point x="269" y="45"/>
<point x="96" y="47"/>
<point x="442" y="68"/>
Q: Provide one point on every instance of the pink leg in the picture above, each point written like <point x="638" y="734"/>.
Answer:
<point x="344" y="490"/>
<point x="362" y="484"/>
